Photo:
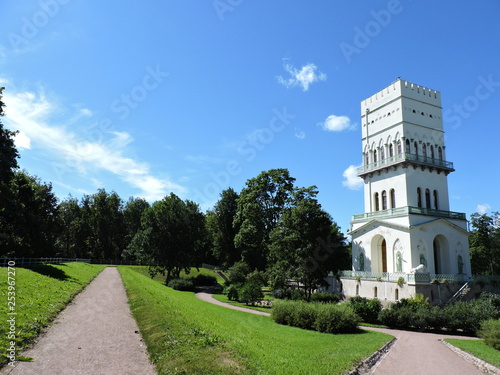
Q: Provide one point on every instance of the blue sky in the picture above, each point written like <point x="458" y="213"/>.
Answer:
<point x="191" y="97"/>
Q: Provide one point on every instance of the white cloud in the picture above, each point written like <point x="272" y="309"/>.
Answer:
<point x="303" y="77"/>
<point x="351" y="179"/>
<point x="33" y="114"/>
<point x="337" y="123"/>
<point x="483" y="208"/>
<point x="300" y="134"/>
<point x="22" y="141"/>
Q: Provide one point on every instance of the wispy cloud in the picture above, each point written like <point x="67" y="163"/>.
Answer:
<point x="33" y="113"/>
<point x="483" y="208"/>
<point x="22" y="141"/>
<point x="303" y="77"/>
<point x="351" y="179"/>
<point x="337" y="124"/>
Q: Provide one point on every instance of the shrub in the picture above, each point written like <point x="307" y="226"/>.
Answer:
<point x="490" y="333"/>
<point x="315" y="316"/>
<point x="185" y="285"/>
<point x="232" y="293"/>
<point x="325" y="297"/>
<point x="204" y="280"/>
<point x="298" y="295"/>
<point x="238" y="273"/>
<point x="336" y="319"/>
<point x="368" y="310"/>
<point x="282" y="293"/>
<point x="250" y="292"/>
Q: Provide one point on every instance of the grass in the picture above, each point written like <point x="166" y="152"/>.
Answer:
<point x="41" y="292"/>
<point x="223" y="298"/>
<point x="185" y="335"/>
<point x="193" y="273"/>
<point x="479" y="349"/>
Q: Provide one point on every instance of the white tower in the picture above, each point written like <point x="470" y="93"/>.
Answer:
<point x="407" y="220"/>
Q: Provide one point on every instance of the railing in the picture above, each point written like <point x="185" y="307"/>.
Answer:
<point x="399" y="158"/>
<point x="411" y="278"/>
<point x="410" y="210"/>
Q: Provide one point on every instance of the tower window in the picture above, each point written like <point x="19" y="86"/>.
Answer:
<point x="440" y="153"/>
<point x="393" y="198"/>
<point x="391" y="150"/>
<point x="432" y="152"/>
<point x="419" y="197"/>
<point x="436" y="206"/>
<point x="427" y="198"/>
<point x="407" y="146"/>
<point x="384" y="200"/>
<point x="382" y="153"/>
<point x="424" y="150"/>
<point x="375" y="156"/>
<point x="416" y="147"/>
<point x="399" y="147"/>
<point x="375" y="199"/>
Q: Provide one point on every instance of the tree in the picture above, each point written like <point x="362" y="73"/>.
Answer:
<point x="8" y="165"/>
<point x="222" y="232"/>
<point x="484" y="243"/>
<point x="132" y="214"/>
<point x="173" y="236"/>
<point x="306" y="245"/>
<point x="35" y="220"/>
<point x="72" y="239"/>
<point x="260" y="206"/>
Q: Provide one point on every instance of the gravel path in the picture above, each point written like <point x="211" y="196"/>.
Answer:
<point x="96" y="334"/>
<point x="413" y="353"/>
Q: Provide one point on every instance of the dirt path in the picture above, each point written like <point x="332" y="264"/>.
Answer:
<point x="96" y="334"/>
<point x="413" y="353"/>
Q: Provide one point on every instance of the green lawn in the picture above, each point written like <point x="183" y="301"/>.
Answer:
<point x="41" y="292"/>
<point x="478" y="349"/>
<point x="185" y="335"/>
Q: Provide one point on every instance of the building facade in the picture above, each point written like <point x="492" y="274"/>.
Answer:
<point x="407" y="227"/>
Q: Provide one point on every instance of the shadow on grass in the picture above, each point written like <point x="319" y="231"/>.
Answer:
<point x="50" y="271"/>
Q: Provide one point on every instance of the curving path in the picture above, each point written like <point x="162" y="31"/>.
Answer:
<point x="413" y="353"/>
<point x="96" y="334"/>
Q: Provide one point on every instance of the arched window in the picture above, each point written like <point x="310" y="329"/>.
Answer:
<point x="393" y="198"/>
<point x="375" y="199"/>
<point x="436" y="205"/>
<point x="416" y="147"/>
<point x="375" y="156"/>
<point x="399" y="147"/>
<point x="391" y="150"/>
<point x="427" y="198"/>
<point x="382" y="153"/>
<point x="367" y="158"/>
<point x="407" y="146"/>
<point x="432" y="152"/>
<point x="440" y="153"/>
<point x="384" y="200"/>
<point x="424" y="149"/>
<point x="419" y="197"/>
<point x="460" y="263"/>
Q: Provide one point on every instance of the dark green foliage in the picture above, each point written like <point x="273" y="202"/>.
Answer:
<point x="204" y="280"/>
<point x="490" y="333"/>
<point x="484" y="243"/>
<point x="298" y="294"/>
<point x="250" y="292"/>
<point x="185" y="285"/>
<point x="315" y="316"/>
<point x="232" y="293"/>
<point x="284" y="293"/>
<point x="237" y="274"/>
<point x="367" y="310"/>
<point x="325" y="297"/>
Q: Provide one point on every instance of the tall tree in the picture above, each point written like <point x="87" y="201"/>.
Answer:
<point x="305" y="245"/>
<point x="8" y="165"/>
<point x="260" y="206"/>
<point x="173" y="236"/>
<point x="132" y="214"/>
<point x="220" y="225"/>
<point x="484" y="243"/>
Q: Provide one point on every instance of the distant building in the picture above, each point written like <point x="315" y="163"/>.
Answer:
<point x="407" y="241"/>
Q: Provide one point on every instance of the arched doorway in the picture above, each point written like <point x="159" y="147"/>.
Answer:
<point x="441" y="255"/>
<point x="378" y="254"/>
